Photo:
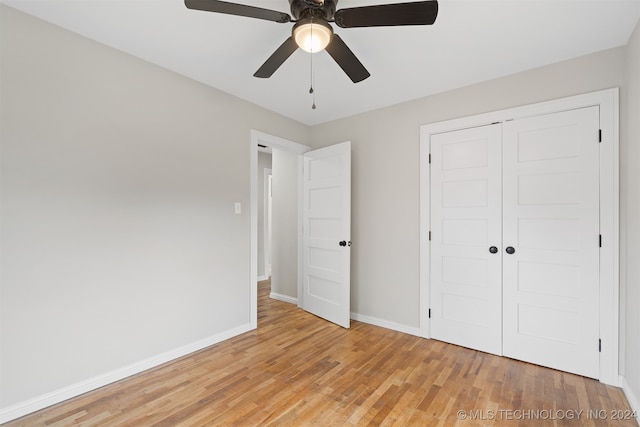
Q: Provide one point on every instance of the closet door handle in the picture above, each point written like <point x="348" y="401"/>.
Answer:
<point x="510" y="250"/>
<point x="493" y="250"/>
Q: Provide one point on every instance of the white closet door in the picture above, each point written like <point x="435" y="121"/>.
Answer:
<point x="466" y="222"/>
<point x="551" y="220"/>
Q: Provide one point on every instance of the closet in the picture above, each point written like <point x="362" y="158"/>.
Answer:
<point x="514" y="222"/>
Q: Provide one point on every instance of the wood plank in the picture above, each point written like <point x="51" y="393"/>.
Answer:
<point x="280" y="374"/>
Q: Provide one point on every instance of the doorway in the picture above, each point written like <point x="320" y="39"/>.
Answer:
<point x="264" y="212"/>
<point x="317" y="226"/>
<point x="259" y="140"/>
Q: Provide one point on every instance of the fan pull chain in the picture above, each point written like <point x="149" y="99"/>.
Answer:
<point x="312" y="77"/>
<point x="311" y="91"/>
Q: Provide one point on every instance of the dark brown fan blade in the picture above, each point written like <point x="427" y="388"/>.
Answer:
<point x="341" y="53"/>
<point x="237" y="9"/>
<point x="384" y="15"/>
<point x="277" y="58"/>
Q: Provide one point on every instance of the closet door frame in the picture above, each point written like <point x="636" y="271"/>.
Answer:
<point x="608" y="101"/>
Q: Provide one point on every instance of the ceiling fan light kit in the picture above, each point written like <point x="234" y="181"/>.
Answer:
<point x="312" y="32"/>
<point x="312" y="36"/>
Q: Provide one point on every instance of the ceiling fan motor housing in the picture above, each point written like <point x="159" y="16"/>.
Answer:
<point x="317" y="9"/>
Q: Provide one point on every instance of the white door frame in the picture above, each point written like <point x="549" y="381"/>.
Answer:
<point x="608" y="101"/>
<point x="272" y="141"/>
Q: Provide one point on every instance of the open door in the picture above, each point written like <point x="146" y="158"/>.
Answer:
<point x="326" y="242"/>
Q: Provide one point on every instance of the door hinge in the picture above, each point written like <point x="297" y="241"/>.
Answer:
<point x="600" y="241"/>
<point x="429" y="158"/>
<point x="429" y="313"/>
<point x="429" y="235"/>
<point x="599" y="135"/>
<point x="599" y="345"/>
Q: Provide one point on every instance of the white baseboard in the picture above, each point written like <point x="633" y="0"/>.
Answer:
<point x="386" y="324"/>
<point x="261" y="278"/>
<point x="23" y="408"/>
<point x="631" y="397"/>
<point x="284" y="298"/>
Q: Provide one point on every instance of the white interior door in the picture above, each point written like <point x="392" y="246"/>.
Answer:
<point x="466" y="234"/>
<point x="326" y="214"/>
<point x="551" y="222"/>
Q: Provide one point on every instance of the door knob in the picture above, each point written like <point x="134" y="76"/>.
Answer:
<point x="343" y="243"/>
<point x="510" y="250"/>
<point x="493" y="250"/>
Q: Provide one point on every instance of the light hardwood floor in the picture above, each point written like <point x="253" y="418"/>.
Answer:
<point x="298" y="370"/>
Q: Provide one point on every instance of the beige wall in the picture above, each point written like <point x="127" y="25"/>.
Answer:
<point x="385" y="186"/>
<point x="630" y="220"/>
<point x="284" y="254"/>
<point x="119" y="237"/>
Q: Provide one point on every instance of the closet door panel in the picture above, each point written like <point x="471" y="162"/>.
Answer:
<point x="466" y="221"/>
<point x="550" y="211"/>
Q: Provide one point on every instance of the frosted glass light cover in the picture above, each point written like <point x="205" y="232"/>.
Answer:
<point x="312" y="37"/>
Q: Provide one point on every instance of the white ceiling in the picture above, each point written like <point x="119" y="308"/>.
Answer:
<point x="471" y="41"/>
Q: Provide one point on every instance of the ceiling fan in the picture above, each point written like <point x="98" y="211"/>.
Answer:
<point x="312" y="32"/>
